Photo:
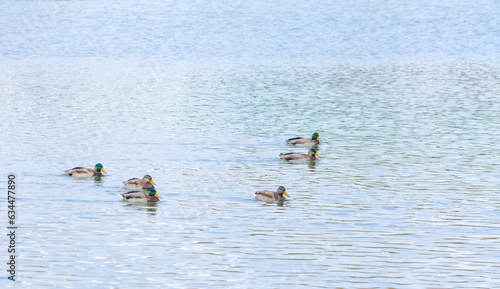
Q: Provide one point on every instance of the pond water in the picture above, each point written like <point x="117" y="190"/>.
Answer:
<point x="202" y="96"/>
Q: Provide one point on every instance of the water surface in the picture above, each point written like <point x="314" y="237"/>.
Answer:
<point x="202" y="96"/>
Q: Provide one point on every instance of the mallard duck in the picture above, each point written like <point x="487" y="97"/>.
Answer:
<point x="149" y="196"/>
<point x="269" y="196"/>
<point x="138" y="184"/>
<point x="310" y="156"/>
<point x="80" y="172"/>
<point x="302" y="141"/>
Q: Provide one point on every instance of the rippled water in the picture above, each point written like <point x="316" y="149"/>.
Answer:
<point x="202" y="96"/>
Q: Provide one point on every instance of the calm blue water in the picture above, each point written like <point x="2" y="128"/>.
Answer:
<point x="201" y="95"/>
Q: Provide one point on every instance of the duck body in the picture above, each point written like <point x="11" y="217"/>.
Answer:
<point x="270" y="196"/>
<point x="80" y="172"/>
<point x="302" y="141"/>
<point x="310" y="156"/>
<point x="138" y="184"/>
<point x="149" y="196"/>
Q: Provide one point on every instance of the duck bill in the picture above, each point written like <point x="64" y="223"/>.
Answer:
<point x="319" y="139"/>
<point x="286" y="195"/>
<point x="316" y="154"/>
<point x="156" y="195"/>
<point x="151" y="182"/>
<point x="102" y="170"/>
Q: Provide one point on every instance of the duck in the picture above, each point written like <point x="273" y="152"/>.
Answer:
<point x="149" y="196"/>
<point x="269" y="196"/>
<point x="302" y="141"/>
<point x="138" y="184"/>
<point x="310" y="156"/>
<point x="80" y="172"/>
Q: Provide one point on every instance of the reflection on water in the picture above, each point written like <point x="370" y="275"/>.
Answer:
<point x="147" y="207"/>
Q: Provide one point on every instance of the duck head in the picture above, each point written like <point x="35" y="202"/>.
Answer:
<point x="313" y="152"/>
<point x="98" y="168"/>
<point x="282" y="191"/>
<point x="315" y="136"/>
<point x="152" y="193"/>
<point x="148" y="179"/>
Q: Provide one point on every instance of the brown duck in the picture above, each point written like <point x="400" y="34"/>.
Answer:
<point x="138" y="184"/>
<point x="310" y="156"/>
<point x="302" y="141"/>
<point x="149" y="196"/>
<point x="80" y="172"/>
<point x="269" y="196"/>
